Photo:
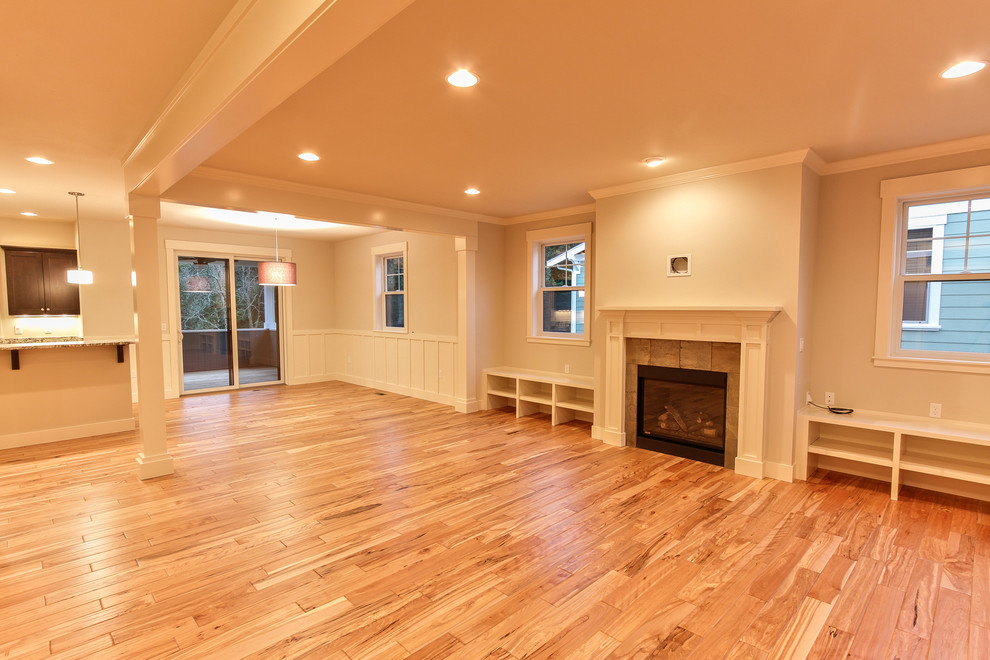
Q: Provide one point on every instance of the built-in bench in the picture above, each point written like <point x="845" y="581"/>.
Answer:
<point x="563" y="396"/>
<point x="938" y="454"/>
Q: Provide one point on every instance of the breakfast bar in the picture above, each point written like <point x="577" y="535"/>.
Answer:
<point x="59" y="388"/>
<point x="15" y="346"/>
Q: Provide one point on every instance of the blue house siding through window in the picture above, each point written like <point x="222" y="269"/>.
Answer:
<point x="964" y="307"/>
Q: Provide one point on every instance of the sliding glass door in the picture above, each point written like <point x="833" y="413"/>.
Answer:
<point x="256" y="327"/>
<point x="227" y="340"/>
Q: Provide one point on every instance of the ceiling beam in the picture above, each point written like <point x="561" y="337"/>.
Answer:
<point x="263" y="52"/>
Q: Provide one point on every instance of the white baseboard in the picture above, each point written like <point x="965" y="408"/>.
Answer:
<point x="779" y="471"/>
<point x="467" y="405"/>
<point x="750" y="468"/>
<point x="609" y="437"/>
<point x="306" y="380"/>
<point x="43" y="436"/>
<point x="435" y="397"/>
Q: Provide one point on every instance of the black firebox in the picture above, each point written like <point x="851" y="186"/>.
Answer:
<point x="682" y="412"/>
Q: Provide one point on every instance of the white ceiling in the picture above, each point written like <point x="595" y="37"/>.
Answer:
<point x="201" y="217"/>
<point x="573" y="94"/>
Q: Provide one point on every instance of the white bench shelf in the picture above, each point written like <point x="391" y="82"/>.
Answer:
<point x="899" y="446"/>
<point x="565" y="397"/>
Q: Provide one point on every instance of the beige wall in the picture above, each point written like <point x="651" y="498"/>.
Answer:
<point x="744" y="235"/>
<point x="810" y="199"/>
<point x="490" y="297"/>
<point x="517" y="350"/>
<point x="37" y="233"/>
<point x="61" y="393"/>
<point x="844" y="308"/>
<point x="106" y="305"/>
<point x="431" y="282"/>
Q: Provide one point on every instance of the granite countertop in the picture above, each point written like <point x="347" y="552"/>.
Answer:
<point x="13" y="344"/>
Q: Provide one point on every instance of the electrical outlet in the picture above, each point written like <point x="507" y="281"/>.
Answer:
<point x="807" y="397"/>
<point x="830" y="398"/>
<point x="18" y="330"/>
<point x="935" y="410"/>
<point x="567" y="368"/>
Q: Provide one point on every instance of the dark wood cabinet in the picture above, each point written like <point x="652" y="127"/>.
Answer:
<point x="36" y="283"/>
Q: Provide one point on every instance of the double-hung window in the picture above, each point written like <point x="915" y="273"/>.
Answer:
<point x="560" y="260"/>
<point x="390" y="287"/>
<point x="934" y="299"/>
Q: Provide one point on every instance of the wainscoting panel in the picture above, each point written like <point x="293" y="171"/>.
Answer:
<point x="431" y="377"/>
<point x="417" y="369"/>
<point x="421" y="366"/>
<point x="310" y="357"/>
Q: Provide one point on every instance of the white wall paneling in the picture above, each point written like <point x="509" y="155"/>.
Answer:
<point x="421" y="366"/>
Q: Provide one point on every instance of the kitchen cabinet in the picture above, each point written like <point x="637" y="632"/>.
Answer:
<point x="36" y="283"/>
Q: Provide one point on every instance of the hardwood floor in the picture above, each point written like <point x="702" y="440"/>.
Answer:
<point x="333" y="521"/>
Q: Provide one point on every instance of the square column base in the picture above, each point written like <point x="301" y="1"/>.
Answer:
<point x="150" y="467"/>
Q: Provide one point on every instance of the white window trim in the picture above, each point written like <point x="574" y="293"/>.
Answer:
<point x="379" y="253"/>
<point x="535" y="239"/>
<point x="895" y="194"/>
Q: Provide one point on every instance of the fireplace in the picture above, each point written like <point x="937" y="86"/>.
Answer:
<point x="733" y="340"/>
<point x="682" y="412"/>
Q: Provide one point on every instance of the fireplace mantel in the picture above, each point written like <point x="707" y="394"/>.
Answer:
<point x="747" y="326"/>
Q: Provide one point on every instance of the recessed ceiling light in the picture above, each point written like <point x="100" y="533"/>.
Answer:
<point x="472" y="191"/>
<point x="6" y="191"/>
<point x="653" y="161"/>
<point x="963" y="69"/>
<point x="30" y="214"/>
<point x="309" y="156"/>
<point x="462" y="78"/>
<point x="39" y="160"/>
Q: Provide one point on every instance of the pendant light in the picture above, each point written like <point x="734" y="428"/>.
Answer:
<point x="78" y="275"/>
<point x="276" y="273"/>
<point x="198" y="283"/>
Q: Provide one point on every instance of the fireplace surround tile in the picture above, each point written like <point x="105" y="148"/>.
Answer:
<point x="695" y="355"/>
<point x="663" y="352"/>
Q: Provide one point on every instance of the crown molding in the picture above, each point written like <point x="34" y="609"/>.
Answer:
<point x="548" y="215"/>
<point x="333" y="193"/>
<point x="949" y="148"/>
<point x="807" y="156"/>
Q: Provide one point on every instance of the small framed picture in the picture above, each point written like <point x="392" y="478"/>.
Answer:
<point x="678" y="265"/>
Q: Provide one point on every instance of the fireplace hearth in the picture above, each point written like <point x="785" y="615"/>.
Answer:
<point x="682" y="412"/>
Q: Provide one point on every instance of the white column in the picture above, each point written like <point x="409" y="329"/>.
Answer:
<point x="751" y="450"/>
<point x="466" y="364"/>
<point x="154" y="459"/>
<point x="613" y="410"/>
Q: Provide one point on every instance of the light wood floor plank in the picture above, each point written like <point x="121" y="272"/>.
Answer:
<point x="333" y="521"/>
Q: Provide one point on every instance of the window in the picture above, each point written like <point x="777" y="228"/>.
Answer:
<point x="560" y="266"/>
<point x="390" y="287"/>
<point x="936" y="311"/>
<point x="395" y="292"/>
